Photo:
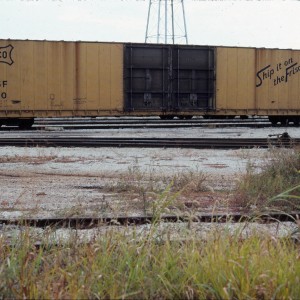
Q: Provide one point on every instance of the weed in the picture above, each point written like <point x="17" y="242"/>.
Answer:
<point x="120" y="266"/>
<point x="189" y="181"/>
<point x="277" y="174"/>
<point x="134" y="180"/>
<point x="289" y="201"/>
<point x="290" y="198"/>
<point x="75" y="210"/>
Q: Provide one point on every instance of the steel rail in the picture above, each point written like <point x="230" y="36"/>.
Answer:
<point x="121" y="123"/>
<point x="147" y="123"/>
<point x="41" y="127"/>
<point x="196" y="143"/>
<point x="92" y="222"/>
<point x="80" y="121"/>
<point x="162" y="125"/>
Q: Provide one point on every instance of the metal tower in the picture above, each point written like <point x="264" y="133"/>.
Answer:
<point x="166" y="22"/>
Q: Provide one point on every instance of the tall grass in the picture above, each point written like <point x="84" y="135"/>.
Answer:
<point x="290" y="198"/>
<point x="119" y="267"/>
<point x="279" y="173"/>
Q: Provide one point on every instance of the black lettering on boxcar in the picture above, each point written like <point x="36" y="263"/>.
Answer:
<point x="3" y="83"/>
<point x="291" y="70"/>
<point x="262" y="75"/>
<point x="6" y="55"/>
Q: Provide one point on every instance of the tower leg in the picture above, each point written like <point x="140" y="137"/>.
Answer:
<point x="168" y="28"/>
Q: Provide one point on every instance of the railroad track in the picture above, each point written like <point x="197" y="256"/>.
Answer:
<point x="196" y="143"/>
<point x="148" y="125"/>
<point x="88" y="222"/>
<point x="121" y="123"/>
<point x="147" y="122"/>
<point x="141" y="120"/>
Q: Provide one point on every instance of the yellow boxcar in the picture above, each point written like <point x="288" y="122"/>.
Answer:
<point x="66" y="79"/>
<point x="261" y="81"/>
<point x="44" y="78"/>
<point x="235" y="80"/>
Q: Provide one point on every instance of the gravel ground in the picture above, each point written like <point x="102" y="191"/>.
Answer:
<point x="51" y="182"/>
<point x="65" y="182"/>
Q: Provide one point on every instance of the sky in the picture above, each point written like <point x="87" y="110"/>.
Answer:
<point x="269" y="24"/>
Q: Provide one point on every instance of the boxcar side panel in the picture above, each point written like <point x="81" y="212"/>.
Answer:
<point x="67" y="76"/>
<point x="235" y="79"/>
<point x="277" y="80"/>
<point x="295" y="85"/>
<point x="10" y="79"/>
<point x="43" y="78"/>
<point x="100" y="76"/>
<point x="53" y="75"/>
<point x="245" y="91"/>
<point x="39" y="78"/>
<point x="40" y="70"/>
<point x="117" y="77"/>
<point x="92" y="72"/>
<point x="80" y="97"/>
<point x="104" y="63"/>
<point x="27" y="76"/>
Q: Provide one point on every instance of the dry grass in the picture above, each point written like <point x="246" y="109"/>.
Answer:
<point x="280" y="172"/>
<point x="222" y="267"/>
<point x="140" y="182"/>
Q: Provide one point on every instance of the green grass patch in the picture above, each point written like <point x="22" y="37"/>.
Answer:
<point x="279" y="173"/>
<point x="116" y="266"/>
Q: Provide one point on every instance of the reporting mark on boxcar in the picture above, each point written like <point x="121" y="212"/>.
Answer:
<point x="3" y="94"/>
<point x="6" y="54"/>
